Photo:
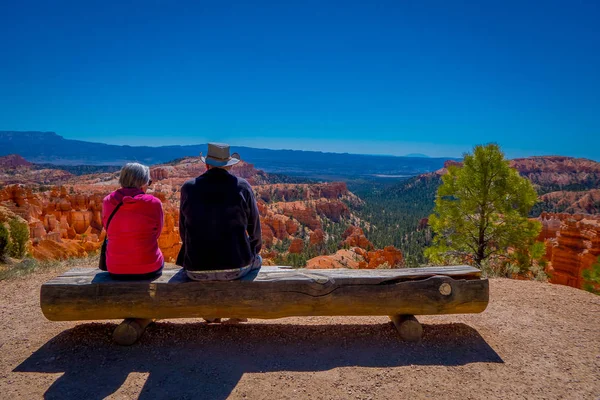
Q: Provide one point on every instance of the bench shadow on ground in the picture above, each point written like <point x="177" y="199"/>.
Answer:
<point x="197" y="360"/>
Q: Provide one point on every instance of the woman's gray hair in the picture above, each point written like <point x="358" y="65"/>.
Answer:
<point x="134" y="175"/>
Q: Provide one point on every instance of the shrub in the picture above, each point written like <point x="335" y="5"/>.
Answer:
<point x="19" y="235"/>
<point x="4" y="241"/>
<point x="591" y="278"/>
<point x="385" y="265"/>
<point x="528" y="261"/>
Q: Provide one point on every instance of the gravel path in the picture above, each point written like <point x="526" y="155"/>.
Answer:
<point x="535" y="340"/>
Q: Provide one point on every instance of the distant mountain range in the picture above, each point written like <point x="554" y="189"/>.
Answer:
<point x="417" y="155"/>
<point x="50" y="148"/>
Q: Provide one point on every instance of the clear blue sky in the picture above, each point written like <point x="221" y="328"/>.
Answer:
<point x="375" y="77"/>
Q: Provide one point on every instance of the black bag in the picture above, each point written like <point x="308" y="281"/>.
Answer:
<point x="102" y="263"/>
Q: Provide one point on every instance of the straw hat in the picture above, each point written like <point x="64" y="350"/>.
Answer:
<point x="218" y="155"/>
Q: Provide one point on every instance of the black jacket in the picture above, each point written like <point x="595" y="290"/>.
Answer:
<point x="219" y="223"/>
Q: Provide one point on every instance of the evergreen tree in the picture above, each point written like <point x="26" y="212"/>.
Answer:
<point x="481" y="209"/>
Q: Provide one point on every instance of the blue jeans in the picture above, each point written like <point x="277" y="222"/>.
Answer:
<point x="225" y="274"/>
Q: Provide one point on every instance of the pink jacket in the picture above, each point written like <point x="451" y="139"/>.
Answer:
<point x="133" y="233"/>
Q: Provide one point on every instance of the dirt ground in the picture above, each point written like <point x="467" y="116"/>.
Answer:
<point x="535" y="340"/>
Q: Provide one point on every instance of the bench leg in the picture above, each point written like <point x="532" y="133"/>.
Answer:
<point x="130" y="330"/>
<point x="230" y="321"/>
<point x="235" y="321"/>
<point x="408" y="327"/>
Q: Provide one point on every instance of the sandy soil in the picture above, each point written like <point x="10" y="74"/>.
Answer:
<point x="535" y="340"/>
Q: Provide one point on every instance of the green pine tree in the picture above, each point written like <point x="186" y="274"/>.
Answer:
<point x="481" y="209"/>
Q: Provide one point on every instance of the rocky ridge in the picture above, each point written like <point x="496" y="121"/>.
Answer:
<point x="550" y="173"/>
<point x="14" y="169"/>
<point x="582" y="202"/>
<point x="547" y="172"/>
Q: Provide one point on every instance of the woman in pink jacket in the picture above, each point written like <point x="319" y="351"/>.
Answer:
<point x="132" y="251"/>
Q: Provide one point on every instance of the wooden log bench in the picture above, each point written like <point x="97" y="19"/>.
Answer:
<point x="272" y="292"/>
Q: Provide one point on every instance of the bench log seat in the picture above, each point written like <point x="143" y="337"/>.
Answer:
<point x="271" y="292"/>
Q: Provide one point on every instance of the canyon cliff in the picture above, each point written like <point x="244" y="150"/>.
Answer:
<point x="551" y="173"/>
<point x="557" y="172"/>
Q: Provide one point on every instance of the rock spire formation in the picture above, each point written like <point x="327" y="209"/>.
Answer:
<point x="572" y="245"/>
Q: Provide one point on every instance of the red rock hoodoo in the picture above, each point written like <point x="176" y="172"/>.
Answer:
<point x="572" y="245"/>
<point x="355" y="237"/>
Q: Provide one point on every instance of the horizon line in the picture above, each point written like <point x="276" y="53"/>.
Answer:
<point x="289" y="149"/>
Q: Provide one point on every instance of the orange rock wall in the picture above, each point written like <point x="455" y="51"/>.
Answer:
<point x="572" y="245"/>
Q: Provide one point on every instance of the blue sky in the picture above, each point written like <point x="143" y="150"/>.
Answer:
<point x="378" y="77"/>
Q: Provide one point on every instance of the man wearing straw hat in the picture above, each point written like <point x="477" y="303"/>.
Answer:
<point x="218" y="221"/>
